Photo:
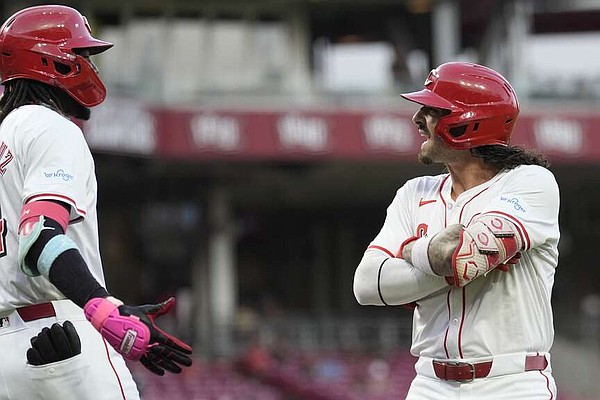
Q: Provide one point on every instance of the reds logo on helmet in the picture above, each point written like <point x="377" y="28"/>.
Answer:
<point x="482" y="105"/>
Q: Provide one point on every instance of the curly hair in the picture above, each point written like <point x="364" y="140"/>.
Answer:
<point x="509" y="157"/>
<point x="20" y="92"/>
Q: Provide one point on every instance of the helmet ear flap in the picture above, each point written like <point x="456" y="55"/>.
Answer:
<point x="61" y="68"/>
<point x="53" y="67"/>
<point x="457" y="131"/>
<point x="460" y="130"/>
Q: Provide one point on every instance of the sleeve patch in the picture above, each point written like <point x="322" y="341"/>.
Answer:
<point x="513" y="203"/>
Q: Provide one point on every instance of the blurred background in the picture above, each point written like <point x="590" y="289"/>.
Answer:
<point x="247" y="153"/>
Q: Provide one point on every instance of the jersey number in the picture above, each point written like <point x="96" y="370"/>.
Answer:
<point x="3" y="232"/>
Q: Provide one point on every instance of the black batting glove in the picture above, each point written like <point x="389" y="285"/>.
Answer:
<point x="54" y="344"/>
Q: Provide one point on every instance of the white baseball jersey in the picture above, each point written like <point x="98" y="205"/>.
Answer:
<point x="502" y="312"/>
<point x="43" y="155"/>
<point x="502" y="318"/>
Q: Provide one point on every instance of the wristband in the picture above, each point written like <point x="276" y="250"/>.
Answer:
<point x="420" y="255"/>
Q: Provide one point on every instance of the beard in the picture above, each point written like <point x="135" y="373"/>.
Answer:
<point x="424" y="158"/>
<point x="432" y="150"/>
<point x="436" y="151"/>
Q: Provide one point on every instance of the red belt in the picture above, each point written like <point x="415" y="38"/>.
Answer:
<point x="36" y="311"/>
<point x="466" y="372"/>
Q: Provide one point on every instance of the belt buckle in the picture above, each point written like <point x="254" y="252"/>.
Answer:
<point x="460" y="364"/>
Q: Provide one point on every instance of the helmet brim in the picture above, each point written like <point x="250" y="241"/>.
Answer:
<point x="427" y="98"/>
<point x="91" y="45"/>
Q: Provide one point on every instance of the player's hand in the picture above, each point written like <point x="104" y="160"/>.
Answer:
<point x="132" y="331"/>
<point x="166" y="352"/>
<point x="53" y="344"/>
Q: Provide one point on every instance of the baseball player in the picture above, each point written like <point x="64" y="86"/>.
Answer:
<point x="50" y="267"/>
<point x="473" y="250"/>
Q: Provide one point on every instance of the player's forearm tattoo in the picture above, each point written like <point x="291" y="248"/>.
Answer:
<point x="441" y="248"/>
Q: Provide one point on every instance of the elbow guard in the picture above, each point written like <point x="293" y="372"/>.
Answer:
<point x="485" y="244"/>
<point x="41" y="236"/>
<point x="41" y="246"/>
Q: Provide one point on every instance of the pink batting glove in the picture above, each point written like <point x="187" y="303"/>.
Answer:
<point x="132" y="331"/>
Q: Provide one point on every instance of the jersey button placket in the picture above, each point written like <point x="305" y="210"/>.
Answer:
<point x="452" y="213"/>
<point x="454" y="323"/>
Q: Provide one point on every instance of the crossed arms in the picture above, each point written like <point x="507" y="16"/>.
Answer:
<point x="456" y="255"/>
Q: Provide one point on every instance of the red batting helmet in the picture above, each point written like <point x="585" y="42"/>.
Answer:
<point x="51" y="44"/>
<point x="482" y="105"/>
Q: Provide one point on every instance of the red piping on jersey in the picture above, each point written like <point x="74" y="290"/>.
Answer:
<point x="114" y="370"/>
<point x="448" y="327"/>
<point x="464" y="205"/>
<point x="471" y="220"/>
<point x="449" y="290"/>
<point x="520" y="227"/>
<point x="444" y="201"/>
<point x="547" y="385"/>
<point x="462" y="322"/>
<point x="386" y="251"/>
<point x="547" y="381"/>
<point x="462" y="318"/>
<point x="59" y="196"/>
<point x="76" y="220"/>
